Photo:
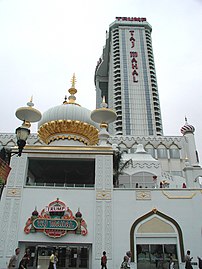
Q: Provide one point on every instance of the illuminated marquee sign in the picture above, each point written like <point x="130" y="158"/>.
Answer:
<point x="56" y="220"/>
<point x="58" y="224"/>
<point x="131" y="19"/>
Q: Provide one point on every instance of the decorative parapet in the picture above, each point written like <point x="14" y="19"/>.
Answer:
<point x="129" y="141"/>
<point x="9" y="140"/>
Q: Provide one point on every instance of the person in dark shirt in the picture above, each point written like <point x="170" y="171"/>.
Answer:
<point x="104" y="260"/>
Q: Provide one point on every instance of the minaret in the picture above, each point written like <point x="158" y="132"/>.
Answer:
<point x="191" y="153"/>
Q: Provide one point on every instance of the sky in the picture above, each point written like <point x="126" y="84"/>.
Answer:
<point x="43" y="42"/>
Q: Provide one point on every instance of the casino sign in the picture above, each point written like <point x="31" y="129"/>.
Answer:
<point x="56" y="220"/>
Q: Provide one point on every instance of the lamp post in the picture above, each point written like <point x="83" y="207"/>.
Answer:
<point x="27" y="115"/>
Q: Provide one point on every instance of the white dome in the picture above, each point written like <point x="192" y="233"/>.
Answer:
<point x="67" y="112"/>
<point x="68" y="122"/>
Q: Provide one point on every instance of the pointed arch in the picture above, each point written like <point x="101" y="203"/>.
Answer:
<point x="166" y="217"/>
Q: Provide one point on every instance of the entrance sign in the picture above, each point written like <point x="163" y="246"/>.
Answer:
<point x="58" y="224"/>
<point x="56" y="220"/>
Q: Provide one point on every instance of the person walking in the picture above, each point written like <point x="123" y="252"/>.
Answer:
<point x="51" y="261"/>
<point x="125" y="264"/>
<point x="104" y="260"/>
<point x="55" y="260"/>
<point x="13" y="262"/>
<point x="171" y="262"/>
<point x="188" y="260"/>
<point x="129" y="255"/>
<point x="25" y="260"/>
<point x="199" y="263"/>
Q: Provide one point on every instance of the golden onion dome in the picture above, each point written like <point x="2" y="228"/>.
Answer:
<point x="68" y="121"/>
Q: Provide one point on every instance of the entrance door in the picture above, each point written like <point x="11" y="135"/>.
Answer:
<point x="152" y="256"/>
<point x="73" y="257"/>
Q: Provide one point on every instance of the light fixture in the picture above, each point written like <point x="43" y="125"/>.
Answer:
<point x="27" y="115"/>
<point x="21" y="134"/>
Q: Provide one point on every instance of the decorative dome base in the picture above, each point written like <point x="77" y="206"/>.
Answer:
<point x="68" y="129"/>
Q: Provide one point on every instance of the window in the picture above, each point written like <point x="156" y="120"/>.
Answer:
<point x="143" y="180"/>
<point x="61" y="172"/>
<point x="154" y="256"/>
<point x="162" y="153"/>
<point x="124" y="181"/>
<point x="151" y="151"/>
<point x="174" y="153"/>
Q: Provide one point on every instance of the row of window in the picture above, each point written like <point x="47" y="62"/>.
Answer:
<point x="161" y="153"/>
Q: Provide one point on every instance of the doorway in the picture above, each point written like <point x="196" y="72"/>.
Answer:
<point x="69" y="256"/>
<point x="152" y="256"/>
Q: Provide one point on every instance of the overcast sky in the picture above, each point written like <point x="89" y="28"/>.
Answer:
<point x="43" y="42"/>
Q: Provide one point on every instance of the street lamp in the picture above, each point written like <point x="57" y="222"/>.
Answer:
<point x="27" y="115"/>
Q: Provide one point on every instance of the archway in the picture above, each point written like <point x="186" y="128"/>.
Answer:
<point x="154" y="238"/>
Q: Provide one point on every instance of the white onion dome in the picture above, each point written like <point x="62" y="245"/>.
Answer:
<point x="187" y="128"/>
<point x="68" y="121"/>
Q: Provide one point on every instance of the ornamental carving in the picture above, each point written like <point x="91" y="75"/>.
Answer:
<point x="68" y="129"/>
<point x="143" y="195"/>
<point x="103" y="195"/>
<point x="179" y="195"/>
<point x="13" y="192"/>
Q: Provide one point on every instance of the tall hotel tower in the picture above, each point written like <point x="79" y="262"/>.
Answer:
<point x="126" y="76"/>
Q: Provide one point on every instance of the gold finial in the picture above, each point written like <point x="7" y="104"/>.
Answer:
<point x="154" y="210"/>
<point x="71" y="99"/>
<point x="72" y="90"/>
<point x="73" y="81"/>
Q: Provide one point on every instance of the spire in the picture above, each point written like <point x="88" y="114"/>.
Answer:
<point x="73" y="81"/>
<point x="72" y="92"/>
<point x="103" y="104"/>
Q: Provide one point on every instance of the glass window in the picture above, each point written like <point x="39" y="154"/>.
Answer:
<point x="174" y="153"/>
<point x="151" y="151"/>
<point x="124" y="181"/>
<point x="162" y="153"/>
<point x="156" y="256"/>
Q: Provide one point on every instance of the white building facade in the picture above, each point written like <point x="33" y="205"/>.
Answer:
<point x="79" y="191"/>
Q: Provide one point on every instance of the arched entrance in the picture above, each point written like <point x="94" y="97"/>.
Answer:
<point x="155" y="239"/>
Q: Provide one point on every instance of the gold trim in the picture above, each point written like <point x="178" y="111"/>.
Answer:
<point x="143" y="195"/>
<point x="103" y="195"/>
<point x="68" y="129"/>
<point x="13" y="192"/>
<point x="179" y="197"/>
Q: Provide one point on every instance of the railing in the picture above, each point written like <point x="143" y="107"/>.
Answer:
<point x="138" y="185"/>
<point x="60" y="185"/>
